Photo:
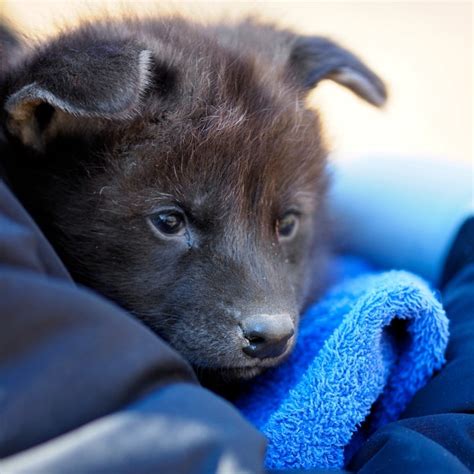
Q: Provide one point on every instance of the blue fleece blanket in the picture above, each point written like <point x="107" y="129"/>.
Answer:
<point x="362" y="353"/>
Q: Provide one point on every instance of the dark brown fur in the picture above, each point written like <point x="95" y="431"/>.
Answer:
<point x="211" y="119"/>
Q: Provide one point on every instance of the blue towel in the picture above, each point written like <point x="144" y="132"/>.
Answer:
<point x="362" y="353"/>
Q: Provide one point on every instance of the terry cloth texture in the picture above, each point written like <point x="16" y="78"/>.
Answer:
<point x="362" y="353"/>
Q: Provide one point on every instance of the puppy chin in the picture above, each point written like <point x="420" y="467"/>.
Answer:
<point x="227" y="375"/>
<point x="229" y="382"/>
<point x="242" y="373"/>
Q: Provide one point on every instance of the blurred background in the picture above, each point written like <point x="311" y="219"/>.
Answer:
<point x="422" y="49"/>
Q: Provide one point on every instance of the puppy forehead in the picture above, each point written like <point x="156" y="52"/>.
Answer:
<point x="225" y="157"/>
<point x="221" y="181"/>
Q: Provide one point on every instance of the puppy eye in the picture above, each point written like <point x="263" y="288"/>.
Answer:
<point x="287" y="226"/>
<point x="169" y="222"/>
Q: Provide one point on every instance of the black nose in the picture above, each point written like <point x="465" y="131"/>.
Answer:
<point x="267" y="334"/>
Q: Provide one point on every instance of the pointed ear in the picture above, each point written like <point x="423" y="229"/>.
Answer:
<point x="103" y="79"/>
<point x="313" y="59"/>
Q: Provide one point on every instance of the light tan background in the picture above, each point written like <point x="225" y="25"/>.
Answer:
<point x="422" y="49"/>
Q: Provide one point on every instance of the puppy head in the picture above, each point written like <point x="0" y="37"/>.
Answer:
<point x="177" y="171"/>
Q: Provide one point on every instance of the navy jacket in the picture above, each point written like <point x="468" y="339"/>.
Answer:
<point x="85" y="388"/>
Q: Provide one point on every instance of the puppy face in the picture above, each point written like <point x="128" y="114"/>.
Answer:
<point x="177" y="171"/>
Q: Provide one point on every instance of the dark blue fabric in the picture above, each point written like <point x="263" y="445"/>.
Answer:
<point x="367" y="347"/>
<point x="435" y="434"/>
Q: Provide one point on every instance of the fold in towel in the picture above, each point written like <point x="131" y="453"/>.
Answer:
<point x="362" y="353"/>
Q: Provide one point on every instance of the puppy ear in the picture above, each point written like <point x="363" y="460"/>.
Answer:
<point x="313" y="59"/>
<point x="102" y="79"/>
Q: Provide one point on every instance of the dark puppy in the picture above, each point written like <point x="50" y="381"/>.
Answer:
<point x="176" y="170"/>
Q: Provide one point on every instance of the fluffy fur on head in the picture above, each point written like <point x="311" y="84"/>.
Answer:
<point x="112" y="123"/>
